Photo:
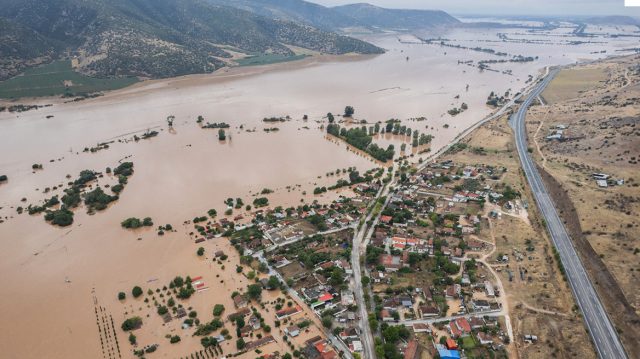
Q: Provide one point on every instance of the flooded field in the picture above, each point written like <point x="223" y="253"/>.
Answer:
<point x="185" y="171"/>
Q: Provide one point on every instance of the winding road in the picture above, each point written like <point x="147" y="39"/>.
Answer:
<point x="605" y="337"/>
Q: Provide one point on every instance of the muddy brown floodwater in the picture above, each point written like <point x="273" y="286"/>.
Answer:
<point x="182" y="173"/>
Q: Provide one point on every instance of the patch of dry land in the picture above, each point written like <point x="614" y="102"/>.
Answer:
<point x="600" y="135"/>
<point x="538" y="300"/>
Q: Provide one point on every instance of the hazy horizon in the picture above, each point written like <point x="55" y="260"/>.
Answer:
<point x="506" y="7"/>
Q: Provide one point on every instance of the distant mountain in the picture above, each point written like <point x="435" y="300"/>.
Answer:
<point x="613" y="20"/>
<point x="300" y="11"/>
<point x="151" y="38"/>
<point x="396" y="19"/>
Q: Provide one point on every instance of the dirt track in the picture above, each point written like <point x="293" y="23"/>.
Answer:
<point x="620" y="311"/>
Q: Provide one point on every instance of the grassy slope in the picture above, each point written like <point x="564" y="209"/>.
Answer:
<point x="49" y="80"/>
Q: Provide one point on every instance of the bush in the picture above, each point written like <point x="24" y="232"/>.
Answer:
<point x="136" y="292"/>
<point x="3" y="178"/>
<point x="200" y="251"/>
<point x="131" y="223"/>
<point x="147" y="222"/>
<point x="132" y="339"/>
<point x="218" y="309"/>
<point x="117" y="188"/>
<point x="151" y="349"/>
<point x="121" y="295"/>
<point x="125" y="169"/>
<point x="130" y="323"/>
<point x="163" y="310"/>
<point x="62" y="217"/>
<point x="174" y="339"/>
<point x="240" y="344"/>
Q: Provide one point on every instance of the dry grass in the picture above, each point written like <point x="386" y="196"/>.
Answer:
<point x="602" y="138"/>
<point x="493" y="144"/>
<point x="570" y="83"/>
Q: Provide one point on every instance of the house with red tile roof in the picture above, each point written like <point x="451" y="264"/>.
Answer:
<point x="386" y="219"/>
<point x="391" y="263"/>
<point x="452" y="291"/>
<point x="455" y="333"/>
<point x="463" y="326"/>
<point x="412" y="350"/>
<point x="451" y="344"/>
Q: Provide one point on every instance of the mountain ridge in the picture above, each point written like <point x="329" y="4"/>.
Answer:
<point x="151" y="38"/>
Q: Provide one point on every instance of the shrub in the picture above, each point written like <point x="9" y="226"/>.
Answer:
<point x="3" y="178"/>
<point x="136" y="292"/>
<point x="174" y="339"/>
<point x="121" y="295"/>
<point x="218" y="309"/>
<point x="131" y="222"/>
<point x="130" y="323"/>
<point x="200" y="251"/>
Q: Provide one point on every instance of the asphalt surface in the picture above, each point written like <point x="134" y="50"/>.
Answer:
<point x="604" y="335"/>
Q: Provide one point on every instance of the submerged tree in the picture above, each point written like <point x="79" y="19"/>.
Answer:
<point x="349" y="111"/>
<point x="170" y="120"/>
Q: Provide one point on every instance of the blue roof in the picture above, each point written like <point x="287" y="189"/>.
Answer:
<point x="449" y="354"/>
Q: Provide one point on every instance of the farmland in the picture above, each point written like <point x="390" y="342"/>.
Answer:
<point x="58" y="78"/>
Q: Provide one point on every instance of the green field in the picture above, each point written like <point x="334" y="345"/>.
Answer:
<point x="49" y="80"/>
<point x="266" y="59"/>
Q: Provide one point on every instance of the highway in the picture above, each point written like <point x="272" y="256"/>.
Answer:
<point x="604" y="336"/>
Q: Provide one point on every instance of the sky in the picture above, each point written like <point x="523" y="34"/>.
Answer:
<point x="507" y="7"/>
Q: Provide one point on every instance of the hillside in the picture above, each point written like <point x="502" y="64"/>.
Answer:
<point x="613" y="20"/>
<point x="396" y="19"/>
<point x="300" y="11"/>
<point x="149" y="38"/>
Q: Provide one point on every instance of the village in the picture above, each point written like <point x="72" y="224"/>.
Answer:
<point x="432" y="292"/>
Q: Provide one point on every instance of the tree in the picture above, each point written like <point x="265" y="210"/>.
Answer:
<point x="136" y="291"/>
<point x="240" y="344"/>
<point x="365" y="280"/>
<point x="130" y="323"/>
<point x="218" y="309"/>
<point x="171" y="302"/>
<point x="273" y="282"/>
<point x="327" y="321"/>
<point x="178" y="281"/>
<point x="147" y="222"/>
<point x="212" y="212"/>
<point x="200" y="251"/>
<point x="221" y="135"/>
<point x="121" y="295"/>
<point x="254" y="290"/>
<point x="330" y="117"/>
<point x="391" y="335"/>
<point x="162" y="310"/>
<point x="349" y="111"/>
<point x="132" y="339"/>
<point x="336" y="276"/>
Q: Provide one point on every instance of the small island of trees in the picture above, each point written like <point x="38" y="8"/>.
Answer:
<point x="133" y="222"/>
<point x="358" y="138"/>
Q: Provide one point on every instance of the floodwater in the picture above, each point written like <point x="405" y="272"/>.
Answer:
<point x="184" y="172"/>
